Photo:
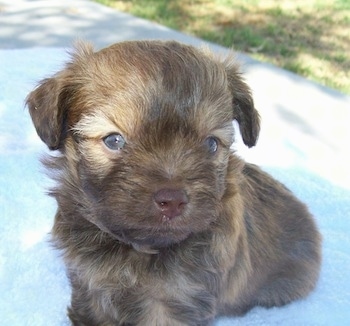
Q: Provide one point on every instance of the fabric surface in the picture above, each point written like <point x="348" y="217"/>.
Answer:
<point x="33" y="285"/>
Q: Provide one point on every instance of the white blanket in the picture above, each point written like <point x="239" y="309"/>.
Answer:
<point x="33" y="287"/>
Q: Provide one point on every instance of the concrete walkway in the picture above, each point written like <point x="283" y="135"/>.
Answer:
<point x="304" y="125"/>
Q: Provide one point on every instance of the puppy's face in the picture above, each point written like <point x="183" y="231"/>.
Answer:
<point x="145" y="129"/>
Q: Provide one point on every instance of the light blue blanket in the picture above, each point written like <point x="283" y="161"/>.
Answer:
<point x="33" y="287"/>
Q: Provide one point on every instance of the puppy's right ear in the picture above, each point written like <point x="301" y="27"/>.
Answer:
<point x="48" y="112"/>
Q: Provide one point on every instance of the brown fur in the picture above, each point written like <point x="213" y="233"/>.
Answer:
<point x="241" y="238"/>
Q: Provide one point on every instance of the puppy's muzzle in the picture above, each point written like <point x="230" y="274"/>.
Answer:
<point x="170" y="202"/>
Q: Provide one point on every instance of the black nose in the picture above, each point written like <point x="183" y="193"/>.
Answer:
<point x="171" y="202"/>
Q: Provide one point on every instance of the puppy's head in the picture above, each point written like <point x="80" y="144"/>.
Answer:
<point x="145" y="129"/>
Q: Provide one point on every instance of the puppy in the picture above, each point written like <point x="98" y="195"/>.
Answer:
<point x="159" y="222"/>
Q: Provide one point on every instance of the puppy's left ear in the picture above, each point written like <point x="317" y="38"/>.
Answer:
<point x="243" y="106"/>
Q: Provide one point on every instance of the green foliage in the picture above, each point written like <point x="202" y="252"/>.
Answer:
<point x="310" y="38"/>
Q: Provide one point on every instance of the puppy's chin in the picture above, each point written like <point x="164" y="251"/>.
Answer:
<point x="149" y="241"/>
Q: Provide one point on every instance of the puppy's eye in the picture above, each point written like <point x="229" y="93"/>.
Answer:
<point x="114" y="142"/>
<point x="212" y="144"/>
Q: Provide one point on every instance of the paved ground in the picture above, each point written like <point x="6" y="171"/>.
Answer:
<point x="304" y="124"/>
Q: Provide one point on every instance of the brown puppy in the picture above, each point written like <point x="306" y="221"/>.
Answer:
<point x="159" y="222"/>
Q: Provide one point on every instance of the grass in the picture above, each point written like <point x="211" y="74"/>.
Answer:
<point x="308" y="37"/>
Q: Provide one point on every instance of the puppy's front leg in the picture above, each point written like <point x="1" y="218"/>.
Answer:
<point x="164" y="319"/>
<point x="174" y="313"/>
<point x="80" y="312"/>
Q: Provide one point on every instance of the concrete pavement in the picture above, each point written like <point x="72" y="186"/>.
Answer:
<point x="304" y="124"/>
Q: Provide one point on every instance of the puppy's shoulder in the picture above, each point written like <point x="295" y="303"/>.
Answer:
<point x="258" y="181"/>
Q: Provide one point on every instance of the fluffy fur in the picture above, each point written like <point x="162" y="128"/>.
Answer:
<point x="169" y="227"/>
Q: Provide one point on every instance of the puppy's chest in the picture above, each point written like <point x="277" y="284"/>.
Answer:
<point x="161" y="290"/>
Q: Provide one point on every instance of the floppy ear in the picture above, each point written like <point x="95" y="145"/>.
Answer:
<point x="243" y="106"/>
<point x="48" y="112"/>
